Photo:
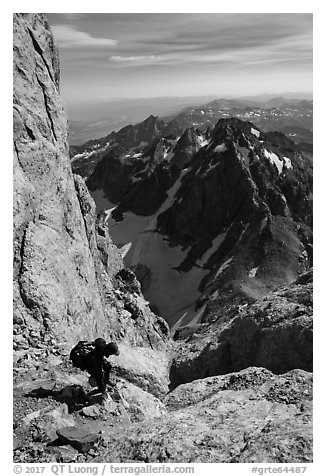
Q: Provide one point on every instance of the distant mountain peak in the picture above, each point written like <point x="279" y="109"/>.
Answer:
<point x="151" y="118"/>
<point x="232" y="128"/>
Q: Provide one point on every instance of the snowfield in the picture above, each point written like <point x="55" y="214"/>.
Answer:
<point x="255" y="132"/>
<point x="274" y="159"/>
<point x="252" y="273"/>
<point x="287" y="163"/>
<point x="174" y="292"/>
<point x="215" y="246"/>
<point x="101" y="201"/>
<point x="202" y="141"/>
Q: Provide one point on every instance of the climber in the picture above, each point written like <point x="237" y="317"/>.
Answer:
<point x="92" y="357"/>
<point x="99" y="367"/>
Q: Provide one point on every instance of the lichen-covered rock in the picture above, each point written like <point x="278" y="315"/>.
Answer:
<point x="250" y="416"/>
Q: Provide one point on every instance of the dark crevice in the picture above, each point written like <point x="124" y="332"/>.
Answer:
<point x="38" y="49"/>
<point x="25" y="300"/>
<point x="47" y="107"/>
<point x="21" y="71"/>
<point x="18" y="156"/>
<point x="30" y="133"/>
<point x="149" y="340"/>
<point x="17" y="153"/>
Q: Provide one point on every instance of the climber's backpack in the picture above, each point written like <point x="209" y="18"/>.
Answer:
<point x="80" y="353"/>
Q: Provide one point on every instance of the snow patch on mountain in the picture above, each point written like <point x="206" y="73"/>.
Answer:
<point x="101" y="201"/>
<point x="108" y="213"/>
<point x="127" y="230"/>
<point x="220" y="147"/>
<point x="224" y="266"/>
<point x="174" y="292"/>
<point x="171" y="193"/>
<point x="79" y="156"/>
<point x="274" y="159"/>
<point x="252" y="273"/>
<point x="215" y="246"/>
<point x="133" y="226"/>
<point x="169" y="155"/>
<point x="255" y="132"/>
<point x="202" y="141"/>
<point x="287" y="163"/>
<point x="124" y="249"/>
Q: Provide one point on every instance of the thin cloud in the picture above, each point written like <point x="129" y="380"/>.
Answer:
<point x="69" y="37"/>
<point x="177" y="54"/>
<point x="135" y="59"/>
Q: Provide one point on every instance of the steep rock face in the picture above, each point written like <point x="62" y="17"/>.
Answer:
<point x="187" y="145"/>
<point x="137" y="178"/>
<point x="126" y="143"/>
<point x="144" y="132"/>
<point x="275" y="332"/>
<point x="68" y="278"/>
<point x="54" y="276"/>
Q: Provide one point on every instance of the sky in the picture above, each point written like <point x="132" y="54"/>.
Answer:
<point x="122" y="55"/>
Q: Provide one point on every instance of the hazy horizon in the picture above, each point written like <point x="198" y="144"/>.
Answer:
<point x="268" y="94"/>
<point x="110" y="56"/>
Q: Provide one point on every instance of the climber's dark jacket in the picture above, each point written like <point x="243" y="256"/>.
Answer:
<point x="97" y="365"/>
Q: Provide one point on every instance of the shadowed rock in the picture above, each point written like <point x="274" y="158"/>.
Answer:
<point x="275" y="332"/>
<point x="77" y="438"/>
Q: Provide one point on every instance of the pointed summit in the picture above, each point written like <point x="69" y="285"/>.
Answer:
<point x="145" y="131"/>
<point x="189" y="137"/>
<point x="151" y="118"/>
<point x="150" y="121"/>
<point x="187" y="145"/>
<point x="149" y="125"/>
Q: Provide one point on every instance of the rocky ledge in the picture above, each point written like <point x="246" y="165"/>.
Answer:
<point x="250" y="416"/>
<point x="247" y="416"/>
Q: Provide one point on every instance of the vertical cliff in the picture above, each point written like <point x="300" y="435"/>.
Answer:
<point x="65" y="265"/>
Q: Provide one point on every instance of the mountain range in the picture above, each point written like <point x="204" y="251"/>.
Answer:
<point x="91" y="120"/>
<point x="224" y="212"/>
<point x="292" y="117"/>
